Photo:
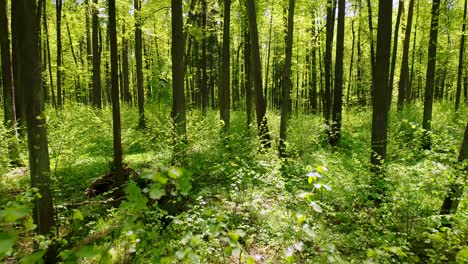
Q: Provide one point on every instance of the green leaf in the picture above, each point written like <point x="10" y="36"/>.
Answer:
<point x="88" y="252"/>
<point x="174" y="173"/>
<point x="7" y="241"/>
<point x="251" y="260"/>
<point x="317" y="208"/>
<point x="77" y="215"/>
<point x="462" y="256"/>
<point x="157" y="192"/>
<point x="12" y="214"/>
<point x="34" y="258"/>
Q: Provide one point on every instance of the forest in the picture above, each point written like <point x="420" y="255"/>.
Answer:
<point x="223" y="131"/>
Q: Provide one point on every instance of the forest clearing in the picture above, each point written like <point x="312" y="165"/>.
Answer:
<point x="250" y="131"/>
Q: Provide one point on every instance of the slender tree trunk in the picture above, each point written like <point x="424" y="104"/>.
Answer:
<point x="89" y="52"/>
<point x="268" y="54"/>
<point x="59" y="52"/>
<point x="30" y="67"/>
<point x="455" y="192"/>
<point x="409" y="91"/>
<point x="178" y="106"/>
<point x="224" y="99"/>
<point x="430" y="73"/>
<point x="330" y="28"/>
<point x="49" y="60"/>
<point x="260" y="102"/>
<point x="460" y="60"/>
<point x="286" y="83"/>
<point x="126" y="79"/>
<point x="313" y="86"/>
<point x="403" y="83"/>
<point x="139" y="64"/>
<point x="204" y="81"/>
<point x="117" y="134"/>
<point x="16" y="28"/>
<point x="394" y="52"/>
<point x="371" y="37"/>
<point x="248" y="75"/>
<point x="380" y="98"/>
<point x="350" y="76"/>
<point x="8" y="88"/>
<point x="97" y="99"/>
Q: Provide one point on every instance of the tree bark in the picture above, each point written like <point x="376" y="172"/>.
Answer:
<point x="380" y="98"/>
<point x="394" y="52"/>
<point x="371" y="37"/>
<point x="204" y="81"/>
<point x="260" y="102"/>
<point x="286" y="82"/>
<point x="126" y="79"/>
<point x="403" y="83"/>
<point x="8" y="87"/>
<point x="430" y="74"/>
<point x="117" y="133"/>
<point x="248" y="75"/>
<point x="460" y="60"/>
<point x="177" y="50"/>
<point x="139" y="64"/>
<point x="224" y="99"/>
<point x="59" y="52"/>
<point x="30" y="66"/>
<point x="330" y="28"/>
<point x="335" y="135"/>
<point x="16" y="28"/>
<point x="313" y="85"/>
<point x="97" y="98"/>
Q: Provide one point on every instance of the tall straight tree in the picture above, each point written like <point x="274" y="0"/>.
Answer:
<point x="16" y="28"/>
<point x="139" y="64"/>
<point x="7" y="78"/>
<point x="204" y="58"/>
<point x="224" y="97"/>
<point x="177" y="51"/>
<point x="30" y="68"/>
<point x="125" y="73"/>
<point x="380" y="98"/>
<point x="248" y="73"/>
<point x="403" y="83"/>
<point x="330" y="28"/>
<point x="256" y="67"/>
<point x="117" y="133"/>
<point x="455" y="192"/>
<point x="460" y="60"/>
<point x="335" y="135"/>
<point x="58" y="13"/>
<point x="313" y="79"/>
<point x="286" y="82"/>
<point x="97" y="99"/>
<point x="430" y="75"/>
<point x="394" y="52"/>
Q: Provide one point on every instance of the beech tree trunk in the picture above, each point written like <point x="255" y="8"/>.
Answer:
<point x="97" y="98"/>
<point x="330" y="28"/>
<point x="286" y="82"/>
<point x="30" y="69"/>
<point x="403" y="83"/>
<point x="394" y="52"/>
<point x="335" y="135"/>
<point x="256" y="65"/>
<point x="58" y="9"/>
<point x="139" y="65"/>
<point x="125" y="74"/>
<point x="430" y="75"/>
<point x="460" y="60"/>
<point x="224" y="99"/>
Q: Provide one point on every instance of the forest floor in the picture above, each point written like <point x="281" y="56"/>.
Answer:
<point x="230" y="203"/>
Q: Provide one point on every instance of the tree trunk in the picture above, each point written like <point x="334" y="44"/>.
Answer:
<point x="268" y="55"/>
<point x="403" y="83"/>
<point x="178" y="106"/>
<point x="117" y="134"/>
<point x="409" y="91"/>
<point x="286" y="82"/>
<point x="248" y="75"/>
<point x="430" y="73"/>
<point x="30" y="67"/>
<point x="350" y="76"/>
<point x="204" y="81"/>
<point x="59" y="52"/>
<point x="126" y="79"/>
<point x="313" y="85"/>
<point x="260" y="102"/>
<point x="16" y="28"/>
<point x="371" y="37"/>
<point x="97" y="99"/>
<point x="394" y="52"/>
<point x="139" y="64"/>
<point x="49" y="60"/>
<point x="455" y="192"/>
<point x="330" y="28"/>
<point x="8" y="88"/>
<point x="380" y="98"/>
<point x="460" y="60"/>
<point x="335" y="134"/>
<point x="224" y="99"/>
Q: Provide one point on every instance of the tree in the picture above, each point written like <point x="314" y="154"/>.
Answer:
<point x="394" y="51"/>
<point x="286" y="82"/>
<point x="7" y="78"/>
<point x="460" y="60"/>
<point x="380" y="98"/>
<point x="125" y="73"/>
<point x="403" y="84"/>
<point x="334" y="136"/>
<point x="58" y="10"/>
<point x="313" y="79"/>
<point x="30" y="68"/>
<point x="117" y="134"/>
<point x="16" y="28"/>
<point x="177" y="51"/>
<point x="330" y="28"/>
<point x="430" y="75"/>
<point x="139" y="64"/>
<point x="97" y="101"/>
<point x="224" y="97"/>
<point x="455" y="191"/>
<point x="256" y="67"/>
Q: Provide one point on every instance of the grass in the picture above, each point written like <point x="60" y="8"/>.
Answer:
<point x="244" y="205"/>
